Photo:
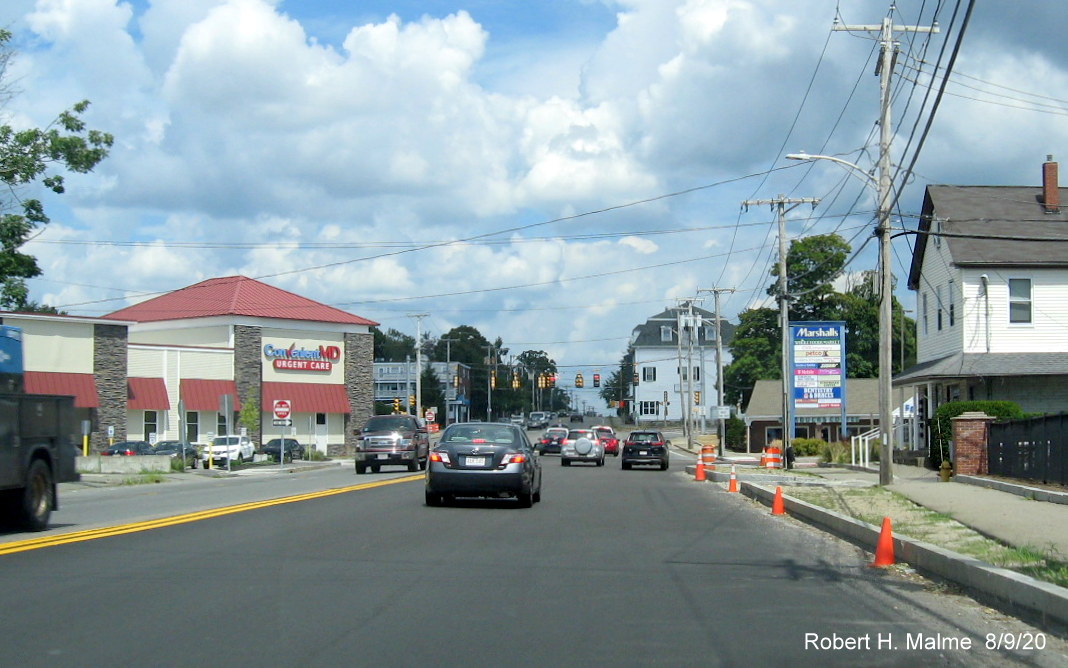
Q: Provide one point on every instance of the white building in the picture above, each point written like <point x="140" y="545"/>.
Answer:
<point x="990" y="269"/>
<point x="675" y="374"/>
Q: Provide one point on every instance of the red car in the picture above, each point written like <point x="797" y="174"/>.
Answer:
<point x="608" y="439"/>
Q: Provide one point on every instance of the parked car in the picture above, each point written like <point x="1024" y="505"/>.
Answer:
<point x="646" y="447"/>
<point x="129" y="449"/>
<point x="519" y="421"/>
<point x="227" y="448"/>
<point x="581" y="445"/>
<point x="608" y="439"/>
<point x="550" y="440"/>
<point x="483" y="459"/>
<point x="178" y="450"/>
<point x="293" y="448"/>
<point x="398" y="440"/>
<point x="538" y="420"/>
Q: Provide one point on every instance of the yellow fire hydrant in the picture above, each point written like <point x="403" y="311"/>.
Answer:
<point x="945" y="471"/>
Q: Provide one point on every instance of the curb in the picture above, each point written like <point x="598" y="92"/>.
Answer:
<point x="1001" y="588"/>
<point x="1033" y="493"/>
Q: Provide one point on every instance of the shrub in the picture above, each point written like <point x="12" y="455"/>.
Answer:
<point x="806" y="447"/>
<point x="942" y="427"/>
<point x="835" y="453"/>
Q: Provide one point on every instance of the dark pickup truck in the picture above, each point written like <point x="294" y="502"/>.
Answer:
<point x="392" y="439"/>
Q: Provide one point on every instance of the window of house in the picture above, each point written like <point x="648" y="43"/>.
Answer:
<point x="151" y="420"/>
<point x="697" y="374"/>
<point x="648" y="407"/>
<point x="649" y="374"/>
<point x="925" y="318"/>
<point x="1019" y="300"/>
<point x="952" y="305"/>
<point x="682" y="372"/>
<point x="938" y="306"/>
<point x="665" y="333"/>
<point x="772" y="434"/>
<point x="710" y="334"/>
<point x="192" y="426"/>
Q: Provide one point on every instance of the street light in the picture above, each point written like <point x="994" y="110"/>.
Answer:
<point x="882" y="188"/>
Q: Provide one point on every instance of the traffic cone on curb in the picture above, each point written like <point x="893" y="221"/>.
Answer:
<point x="732" y="486"/>
<point x="776" y="505"/>
<point x="763" y="458"/>
<point x="884" y="551"/>
<point x="699" y="471"/>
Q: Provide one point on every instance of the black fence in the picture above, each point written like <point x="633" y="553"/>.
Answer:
<point x="1030" y="449"/>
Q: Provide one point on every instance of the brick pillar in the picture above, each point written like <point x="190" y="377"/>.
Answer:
<point x="970" y="439"/>
<point x="359" y="383"/>
<point x="109" y="373"/>
<point x="248" y="374"/>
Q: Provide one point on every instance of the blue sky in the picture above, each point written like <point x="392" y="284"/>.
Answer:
<point x="594" y="154"/>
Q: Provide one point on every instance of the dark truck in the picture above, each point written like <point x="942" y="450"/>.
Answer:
<point x="392" y="439"/>
<point x="38" y="436"/>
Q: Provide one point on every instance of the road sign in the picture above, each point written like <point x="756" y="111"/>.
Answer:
<point x="283" y="408"/>
<point x="719" y="412"/>
<point x="282" y="422"/>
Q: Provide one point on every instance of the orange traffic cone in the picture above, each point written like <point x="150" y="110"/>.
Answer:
<point x="763" y="458"/>
<point x="776" y="505"/>
<point x="884" y="551"/>
<point x="732" y="486"/>
<point x="699" y="473"/>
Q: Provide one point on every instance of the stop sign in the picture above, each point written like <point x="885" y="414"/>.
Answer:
<point x="282" y="408"/>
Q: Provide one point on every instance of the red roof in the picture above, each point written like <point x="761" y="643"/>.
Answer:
<point x="147" y="394"/>
<point x="308" y="397"/>
<point x="81" y="386"/>
<point x="235" y="295"/>
<point x="203" y="395"/>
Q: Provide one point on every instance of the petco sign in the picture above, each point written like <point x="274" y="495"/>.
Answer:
<point x="302" y="359"/>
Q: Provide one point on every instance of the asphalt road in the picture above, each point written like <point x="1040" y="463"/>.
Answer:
<point x="620" y="568"/>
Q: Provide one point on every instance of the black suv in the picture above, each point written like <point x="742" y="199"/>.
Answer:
<point x="646" y="447"/>
<point x="392" y="439"/>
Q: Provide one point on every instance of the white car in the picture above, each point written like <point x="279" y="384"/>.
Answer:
<point x="223" y="448"/>
<point x="581" y="445"/>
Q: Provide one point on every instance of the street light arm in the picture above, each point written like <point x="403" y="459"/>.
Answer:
<point x="856" y="168"/>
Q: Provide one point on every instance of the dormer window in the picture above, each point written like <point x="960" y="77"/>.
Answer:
<point x="665" y="333"/>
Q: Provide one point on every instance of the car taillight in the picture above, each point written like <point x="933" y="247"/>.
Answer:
<point x="514" y="458"/>
<point x="442" y="457"/>
<point x="128" y="453"/>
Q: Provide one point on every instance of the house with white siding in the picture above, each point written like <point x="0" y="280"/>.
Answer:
<point x="674" y="354"/>
<point x="990" y="269"/>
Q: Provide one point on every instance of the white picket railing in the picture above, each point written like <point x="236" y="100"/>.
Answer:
<point x="861" y="445"/>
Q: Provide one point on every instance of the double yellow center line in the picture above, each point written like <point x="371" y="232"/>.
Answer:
<point x="93" y="534"/>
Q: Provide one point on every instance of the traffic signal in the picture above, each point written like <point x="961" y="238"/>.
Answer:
<point x="697" y="398"/>
<point x="634" y="379"/>
<point x="578" y="380"/>
<point x="552" y="381"/>
<point x="411" y="400"/>
<point x="493" y="380"/>
<point x="396" y="404"/>
<point x="515" y="381"/>
<point x="596" y="380"/>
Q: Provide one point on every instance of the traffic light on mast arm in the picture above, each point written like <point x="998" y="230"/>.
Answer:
<point x="596" y="380"/>
<point x="578" y="380"/>
<point x="396" y="404"/>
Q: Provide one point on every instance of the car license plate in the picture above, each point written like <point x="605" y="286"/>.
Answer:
<point x="476" y="461"/>
<point x="383" y="455"/>
<point x="643" y="452"/>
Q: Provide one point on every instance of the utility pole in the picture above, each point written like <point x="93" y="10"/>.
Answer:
<point x="884" y="70"/>
<point x="716" y="292"/>
<point x="491" y="358"/>
<point x="780" y="203"/>
<point x="419" y="362"/>
<point x="451" y="381"/>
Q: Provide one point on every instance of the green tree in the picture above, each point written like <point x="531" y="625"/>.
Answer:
<point x="393" y="346"/>
<point x="432" y="394"/>
<point x="617" y="386"/>
<point x="465" y="344"/>
<point x="31" y="156"/>
<point x="813" y="263"/>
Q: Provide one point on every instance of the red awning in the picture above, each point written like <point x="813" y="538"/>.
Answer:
<point x="147" y="394"/>
<point x="203" y="395"/>
<point x="81" y="386"/>
<point x="307" y="397"/>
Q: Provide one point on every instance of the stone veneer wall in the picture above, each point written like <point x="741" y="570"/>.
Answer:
<point x="359" y="384"/>
<point x="109" y="373"/>
<point x="248" y="373"/>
